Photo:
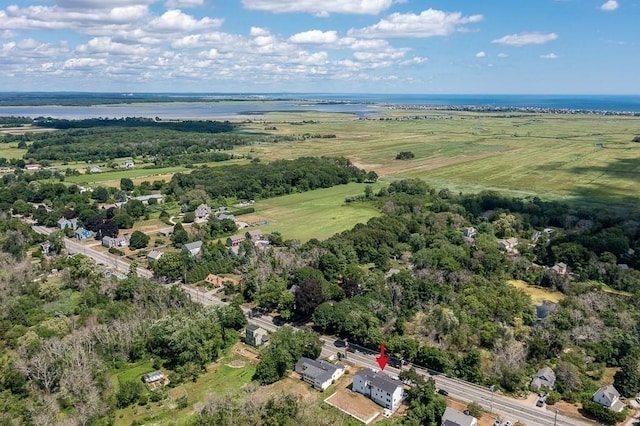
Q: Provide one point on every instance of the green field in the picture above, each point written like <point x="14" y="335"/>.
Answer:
<point x="314" y="214"/>
<point x="220" y="379"/>
<point x="10" y="151"/>
<point x="588" y="158"/>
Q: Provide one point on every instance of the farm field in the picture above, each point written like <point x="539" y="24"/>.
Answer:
<point x="314" y="214"/>
<point x="587" y="158"/>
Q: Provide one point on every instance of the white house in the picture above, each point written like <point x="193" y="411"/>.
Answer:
<point x="544" y="378"/>
<point x="381" y="388"/>
<point x="609" y="397"/>
<point x="453" y="417"/>
<point x="320" y="374"/>
<point x="193" y="248"/>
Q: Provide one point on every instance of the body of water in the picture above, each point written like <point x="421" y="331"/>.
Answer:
<point x="253" y="105"/>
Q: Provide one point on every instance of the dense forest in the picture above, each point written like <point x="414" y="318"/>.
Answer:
<point x="264" y="180"/>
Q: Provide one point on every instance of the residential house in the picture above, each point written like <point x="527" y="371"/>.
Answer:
<point x="381" y="388"/>
<point x="31" y="167"/>
<point x="154" y="255"/>
<point x="202" y="212"/>
<point x="215" y="280"/>
<point x="255" y="335"/>
<point x="609" y="397"/>
<point x="128" y="164"/>
<point x="452" y="417"/>
<point x="254" y="235"/>
<point x="145" y="198"/>
<point x="83" y="234"/>
<point x="45" y="247"/>
<point x="320" y="374"/>
<point x="235" y="240"/>
<point x="544" y="378"/>
<point x="155" y="379"/>
<point x="560" y="268"/>
<point x="95" y="169"/>
<point x="469" y="232"/>
<point x="223" y="216"/>
<point x="508" y="244"/>
<point x="193" y="248"/>
<point x="65" y="223"/>
<point x="110" y="242"/>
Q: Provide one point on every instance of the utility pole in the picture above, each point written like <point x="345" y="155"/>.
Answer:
<point x="555" y="418"/>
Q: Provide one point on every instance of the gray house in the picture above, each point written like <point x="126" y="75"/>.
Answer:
<point x="255" y="335"/>
<point x="453" y="417"/>
<point x="193" y="248"/>
<point x="544" y="378"/>
<point x="320" y="374"/>
<point x="609" y="397"/>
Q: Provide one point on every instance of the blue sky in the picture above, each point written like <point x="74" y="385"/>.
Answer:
<point x="339" y="46"/>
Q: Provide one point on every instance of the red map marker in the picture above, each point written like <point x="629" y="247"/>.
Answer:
<point x="382" y="359"/>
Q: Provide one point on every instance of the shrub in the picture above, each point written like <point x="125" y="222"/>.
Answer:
<point x="405" y="155"/>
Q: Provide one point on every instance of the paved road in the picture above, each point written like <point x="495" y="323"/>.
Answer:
<point x="507" y="408"/>
<point x="121" y="265"/>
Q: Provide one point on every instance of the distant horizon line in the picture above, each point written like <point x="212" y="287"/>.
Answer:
<point x="124" y="93"/>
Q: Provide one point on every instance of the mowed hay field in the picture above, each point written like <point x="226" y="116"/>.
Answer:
<point x="314" y="214"/>
<point x="587" y="157"/>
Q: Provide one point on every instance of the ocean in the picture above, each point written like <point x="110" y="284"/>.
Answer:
<point x="218" y="106"/>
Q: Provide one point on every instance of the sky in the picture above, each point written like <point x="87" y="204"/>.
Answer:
<point x="321" y="46"/>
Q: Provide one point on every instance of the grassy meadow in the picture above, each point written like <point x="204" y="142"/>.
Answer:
<point x="315" y="214"/>
<point x="589" y="158"/>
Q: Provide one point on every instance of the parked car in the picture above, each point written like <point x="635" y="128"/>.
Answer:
<point x="443" y="392"/>
<point x="498" y="422"/>
<point x="508" y="423"/>
<point x="540" y="402"/>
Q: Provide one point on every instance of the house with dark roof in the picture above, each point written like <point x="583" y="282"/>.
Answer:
<point x="256" y="335"/>
<point x="193" y="248"/>
<point x="452" y="417"/>
<point x="379" y="387"/>
<point x="609" y="397"/>
<point x="544" y="378"/>
<point x="320" y="374"/>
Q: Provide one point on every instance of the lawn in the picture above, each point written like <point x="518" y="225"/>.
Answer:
<point x="314" y="214"/>
<point x="220" y="379"/>
<point x="538" y="295"/>
<point x="10" y="150"/>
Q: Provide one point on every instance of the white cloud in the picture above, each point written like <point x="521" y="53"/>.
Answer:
<point x="7" y="34"/>
<point x="176" y="4"/>
<point x="83" y="63"/>
<point x="549" y="56"/>
<point x="100" y="4"/>
<point x="502" y="55"/>
<point x="429" y="23"/>
<point x="106" y="45"/>
<point x="609" y="5"/>
<point x="175" y="20"/>
<point x="377" y="56"/>
<point x="524" y="39"/>
<point x="314" y="37"/>
<point x="320" y="7"/>
<point x="416" y="60"/>
<point x="481" y="54"/>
